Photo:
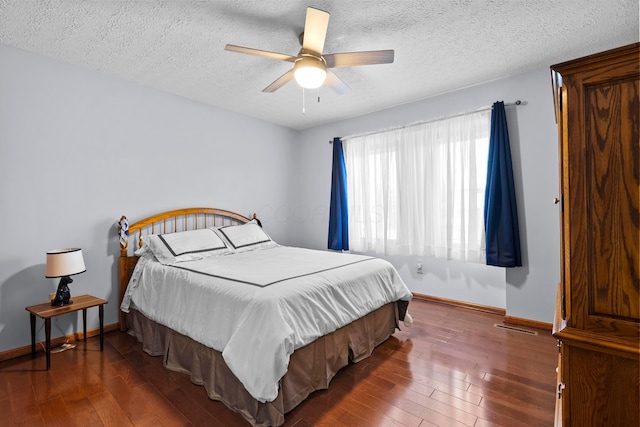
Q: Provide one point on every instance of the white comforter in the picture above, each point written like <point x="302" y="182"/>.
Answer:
<point x="258" y="307"/>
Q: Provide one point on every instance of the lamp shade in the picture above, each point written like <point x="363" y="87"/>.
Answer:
<point x="64" y="262"/>
<point x="310" y="72"/>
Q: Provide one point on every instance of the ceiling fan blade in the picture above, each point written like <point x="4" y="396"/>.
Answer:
<point x="349" y="59"/>
<point x="280" y="81"/>
<point x="335" y="83"/>
<point x="257" y="52"/>
<point x="315" y="30"/>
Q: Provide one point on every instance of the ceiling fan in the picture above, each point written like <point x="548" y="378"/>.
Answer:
<point x="310" y="65"/>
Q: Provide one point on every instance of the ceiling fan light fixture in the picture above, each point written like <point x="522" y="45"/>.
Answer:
<point x="309" y="71"/>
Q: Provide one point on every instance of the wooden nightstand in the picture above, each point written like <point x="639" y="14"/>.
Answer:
<point x="46" y="311"/>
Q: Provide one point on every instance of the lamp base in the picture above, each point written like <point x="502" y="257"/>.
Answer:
<point x="63" y="294"/>
<point x="60" y="303"/>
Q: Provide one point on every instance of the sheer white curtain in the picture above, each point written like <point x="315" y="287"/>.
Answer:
<point x="419" y="190"/>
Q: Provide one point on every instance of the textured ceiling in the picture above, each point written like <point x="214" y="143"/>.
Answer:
<point x="440" y="45"/>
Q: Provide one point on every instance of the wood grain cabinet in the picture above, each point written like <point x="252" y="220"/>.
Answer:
<point x="597" y="321"/>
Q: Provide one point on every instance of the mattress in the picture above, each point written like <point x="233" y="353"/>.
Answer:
<point x="258" y="307"/>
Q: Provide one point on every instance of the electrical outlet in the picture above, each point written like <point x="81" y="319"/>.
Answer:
<point x="419" y="268"/>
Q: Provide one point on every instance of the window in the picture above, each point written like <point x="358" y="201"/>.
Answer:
<point x="419" y="190"/>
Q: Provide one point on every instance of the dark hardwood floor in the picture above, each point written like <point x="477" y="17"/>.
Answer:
<point x="452" y="368"/>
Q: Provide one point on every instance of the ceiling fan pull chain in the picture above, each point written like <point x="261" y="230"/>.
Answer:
<point x="303" y="109"/>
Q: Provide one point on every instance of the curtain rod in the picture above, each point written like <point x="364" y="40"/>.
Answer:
<point x="506" y="104"/>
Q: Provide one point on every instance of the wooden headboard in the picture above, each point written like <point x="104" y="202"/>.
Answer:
<point x="163" y="223"/>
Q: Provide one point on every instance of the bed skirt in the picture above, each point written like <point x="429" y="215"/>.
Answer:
<point x="310" y="368"/>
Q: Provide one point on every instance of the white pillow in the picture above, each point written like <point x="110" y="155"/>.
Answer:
<point x="190" y="245"/>
<point x="246" y="237"/>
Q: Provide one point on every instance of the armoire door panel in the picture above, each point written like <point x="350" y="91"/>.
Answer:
<point x="601" y="389"/>
<point x="602" y="192"/>
<point x="612" y="202"/>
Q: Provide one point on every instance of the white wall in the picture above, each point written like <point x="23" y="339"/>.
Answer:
<point x="527" y="292"/>
<point x="78" y="149"/>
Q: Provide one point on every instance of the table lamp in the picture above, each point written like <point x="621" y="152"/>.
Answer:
<point x="64" y="263"/>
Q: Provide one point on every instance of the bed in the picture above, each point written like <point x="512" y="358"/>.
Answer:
<point x="259" y="325"/>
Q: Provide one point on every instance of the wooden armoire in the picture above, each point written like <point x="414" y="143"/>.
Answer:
<point x="597" y="320"/>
